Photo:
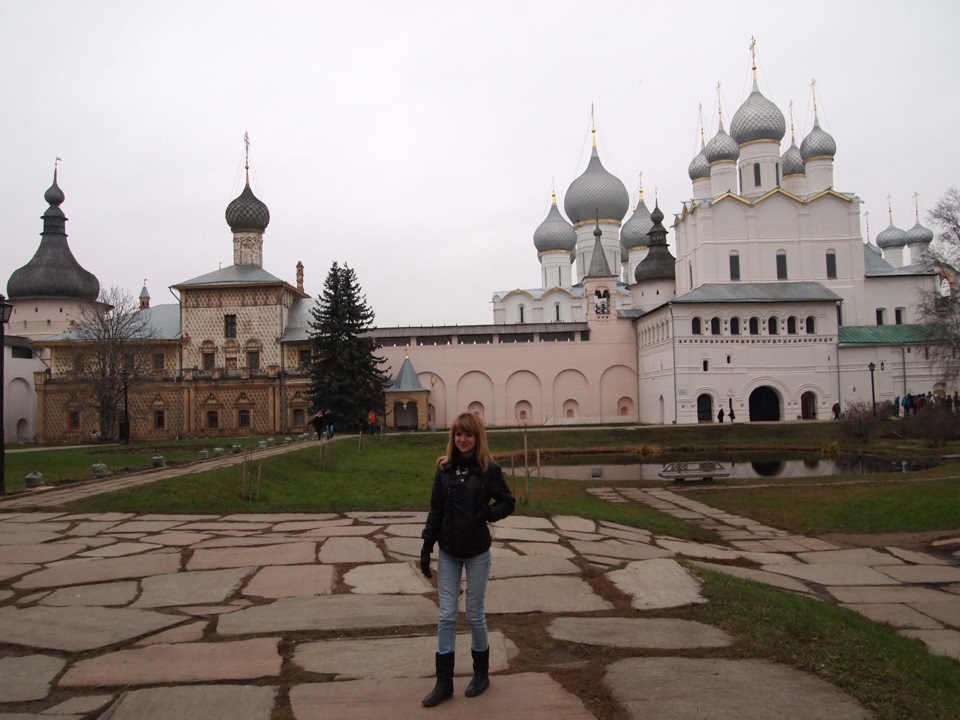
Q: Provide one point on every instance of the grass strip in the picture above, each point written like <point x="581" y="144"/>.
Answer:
<point x="893" y="676"/>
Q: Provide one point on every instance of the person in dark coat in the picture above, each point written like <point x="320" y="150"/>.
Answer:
<point x="468" y="492"/>
<point x="317" y="422"/>
<point x="720" y="416"/>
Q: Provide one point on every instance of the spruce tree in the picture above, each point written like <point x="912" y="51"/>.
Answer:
<point x="345" y="373"/>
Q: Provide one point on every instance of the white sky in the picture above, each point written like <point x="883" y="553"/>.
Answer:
<point x="418" y="142"/>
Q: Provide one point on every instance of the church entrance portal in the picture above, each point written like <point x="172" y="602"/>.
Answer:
<point x="808" y="406"/>
<point x="764" y="404"/>
<point x="704" y="408"/>
<point x="405" y="415"/>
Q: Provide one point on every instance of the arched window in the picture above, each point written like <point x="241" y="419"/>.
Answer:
<point x="756" y="174"/>
<point x="754" y="326"/>
<point x="715" y="326"/>
<point x="791" y="325"/>
<point x="520" y="310"/>
<point x="811" y="325"/>
<point x="696" y="326"/>
<point x="556" y="312"/>
<point x="773" y="326"/>
<point x="735" y="326"/>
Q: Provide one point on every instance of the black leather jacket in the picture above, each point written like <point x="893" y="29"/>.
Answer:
<point x="460" y="508"/>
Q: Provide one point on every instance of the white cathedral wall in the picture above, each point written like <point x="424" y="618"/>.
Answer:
<point x="552" y="382"/>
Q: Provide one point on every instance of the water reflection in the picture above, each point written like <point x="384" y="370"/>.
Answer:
<point x="743" y="469"/>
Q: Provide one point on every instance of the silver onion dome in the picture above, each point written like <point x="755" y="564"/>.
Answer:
<point x="919" y="234"/>
<point x="596" y="194"/>
<point x="721" y="147"/>
<point x="555" y="233"/>
<point x="757" y="119"/>
<point x="699" y="168"/>
<point x="792" y="162"/>
<point x="634" y="231"/>
<point x="819" y="143"/>
<point x="891" y="237"/>
<point x="247" y="212"/>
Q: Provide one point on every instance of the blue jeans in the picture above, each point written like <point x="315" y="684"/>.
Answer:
<point x="449" y="570"/>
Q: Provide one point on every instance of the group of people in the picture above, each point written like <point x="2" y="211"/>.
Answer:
<point x="912" y="404"/>
<point x="323" y="424"/>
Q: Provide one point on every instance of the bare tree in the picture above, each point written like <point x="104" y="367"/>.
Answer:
<point x="108" y="345"/>
<point x="940" y="310"/>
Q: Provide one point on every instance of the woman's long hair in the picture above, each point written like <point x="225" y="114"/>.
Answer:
<point x="469" y="423"/>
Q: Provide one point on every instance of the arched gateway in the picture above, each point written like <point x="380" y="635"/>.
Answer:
<point x="764" y="404"/>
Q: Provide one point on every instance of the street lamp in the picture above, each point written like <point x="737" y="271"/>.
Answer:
<point x="873" y="394"/>
<point x="5" y="310"/>
<point x="125" y="423"/>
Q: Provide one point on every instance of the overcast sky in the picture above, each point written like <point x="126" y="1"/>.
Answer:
<point x="418" y="142"/>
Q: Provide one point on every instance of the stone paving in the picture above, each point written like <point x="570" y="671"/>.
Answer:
<point x="117" y="616"/>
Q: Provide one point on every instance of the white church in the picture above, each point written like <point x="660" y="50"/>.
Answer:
<point x="774" y="308"/>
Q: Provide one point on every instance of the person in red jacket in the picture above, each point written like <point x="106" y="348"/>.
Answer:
<point x="468" y="492"/>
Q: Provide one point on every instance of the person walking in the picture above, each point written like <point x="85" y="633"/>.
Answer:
<point x="720" y="416"/>
<point x="317" y="422"/>
<point x="468" y="492"/>
<point x="328" y="423"/>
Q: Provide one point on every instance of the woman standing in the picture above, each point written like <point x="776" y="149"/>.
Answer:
<point x="468" y="492"/>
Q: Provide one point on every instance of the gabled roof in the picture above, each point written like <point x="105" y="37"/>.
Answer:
<point x="866" y="335"/>
<point x="759" y="293"/>
<point x="875" y="266"/>
<point x="234" y="275"/>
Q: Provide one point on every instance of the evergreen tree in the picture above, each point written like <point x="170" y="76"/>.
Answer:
<point x="344" y="372"/>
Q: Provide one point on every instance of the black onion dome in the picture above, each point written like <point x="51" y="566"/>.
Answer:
<point x="53" y="271"/>
<point x="596" y="193"/>
<point x="247" y="212"/>
<point x="659" y="264"/>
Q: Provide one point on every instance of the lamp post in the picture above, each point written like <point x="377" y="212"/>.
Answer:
<point x="125" y="423"/>
<point x="5" y="310"/>
<point x="873" y="394"/>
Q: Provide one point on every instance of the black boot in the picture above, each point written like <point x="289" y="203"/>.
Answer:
<point x="481" y="666"/>
<point x="443" y="690"/>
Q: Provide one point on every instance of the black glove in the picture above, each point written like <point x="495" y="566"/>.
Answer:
<point x="425" y="561"/>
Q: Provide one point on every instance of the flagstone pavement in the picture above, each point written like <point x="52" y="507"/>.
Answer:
<point x="119" y="616"/>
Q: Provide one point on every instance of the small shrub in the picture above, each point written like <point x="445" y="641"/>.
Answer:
<point x="860" y="420"/>
<point x="936" y="425"/>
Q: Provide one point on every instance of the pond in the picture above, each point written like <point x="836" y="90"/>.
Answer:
<point x="742" y="469"/>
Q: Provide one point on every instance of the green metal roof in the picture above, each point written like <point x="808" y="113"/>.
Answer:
<point x="885" y="335"/>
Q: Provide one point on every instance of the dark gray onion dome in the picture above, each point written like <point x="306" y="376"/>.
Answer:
<point x="699" y="168"/>
<point x="634" y="232"/>
<point x="792" y="162"/>
<point x="757" y="119"/>
<point x="596" y="194"/>
<point x="53" y="271"/>
<point x="247" y="212"/>
<point x="891" y="237"/>
<point x="659" y="264"/>
<point x="555" y="233"/>
<point x="919" y="234"/>
<point x="721" y="147"/>
<point x="818" y="144"/>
